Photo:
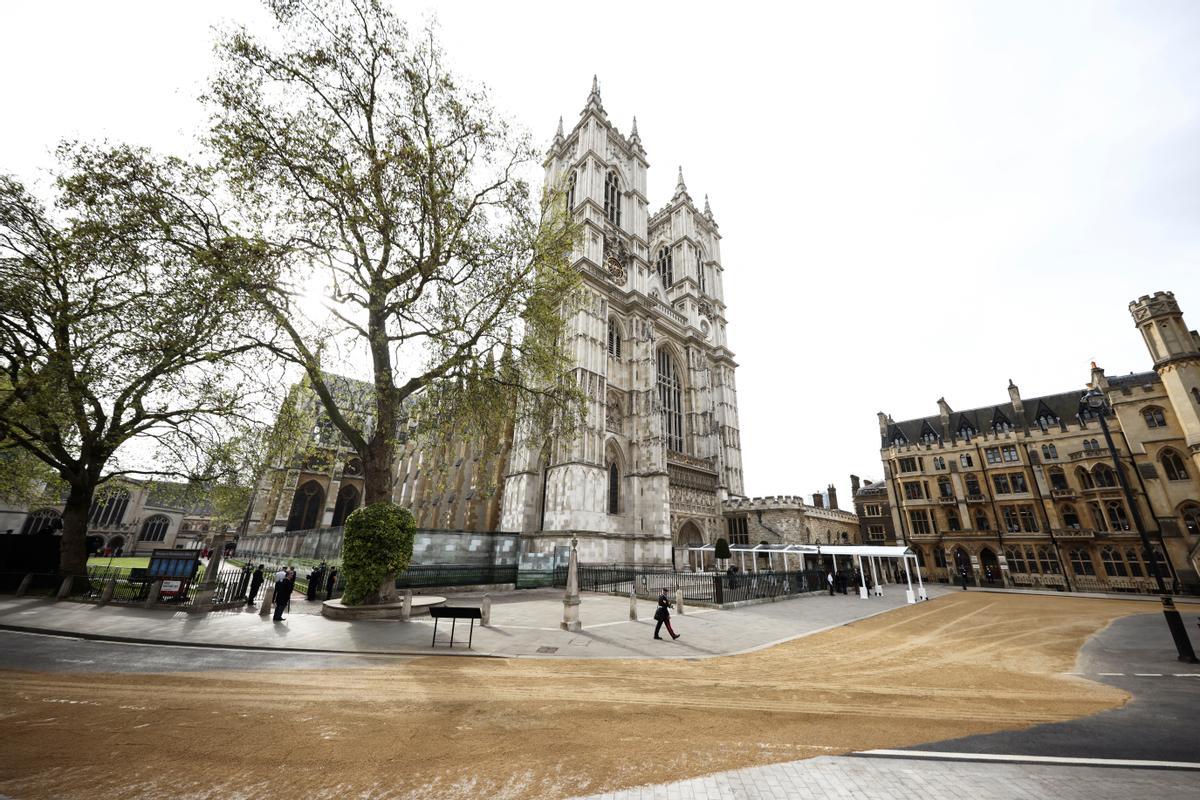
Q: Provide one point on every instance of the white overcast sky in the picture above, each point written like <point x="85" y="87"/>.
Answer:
<point x="916" y="199"/>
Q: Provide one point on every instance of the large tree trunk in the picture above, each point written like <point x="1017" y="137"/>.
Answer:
<point x="72" y="558"/>
<point x="377" y="470"/>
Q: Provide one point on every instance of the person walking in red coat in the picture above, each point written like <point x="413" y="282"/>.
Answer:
<point x="663" y="615"/>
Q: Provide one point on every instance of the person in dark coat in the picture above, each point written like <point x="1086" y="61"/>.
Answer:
<point x="330" y="582"/>
<point x="314" y="580"/>
<point x="829" y="580"/>
<point x="283" y="591"/>
<point x="256" y="581"/>
<point x="243" y="580"/>
<point x="663" y="615"/>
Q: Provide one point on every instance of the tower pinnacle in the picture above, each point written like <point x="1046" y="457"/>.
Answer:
<point x="680" y="186"/>
<point x="593" y="101"/>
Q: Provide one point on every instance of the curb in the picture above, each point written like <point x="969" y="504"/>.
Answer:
<point x="99" y="637"/>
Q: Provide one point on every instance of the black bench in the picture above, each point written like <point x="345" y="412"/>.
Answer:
<point x="454" y="613"/>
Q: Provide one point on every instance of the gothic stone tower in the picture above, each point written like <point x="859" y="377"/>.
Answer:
<point x="1176" y="354"/>
<point x="660" y="447"/>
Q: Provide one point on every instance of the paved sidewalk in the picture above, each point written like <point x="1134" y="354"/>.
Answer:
<point x="524" y="624"/>
<point x="840" y="778"/>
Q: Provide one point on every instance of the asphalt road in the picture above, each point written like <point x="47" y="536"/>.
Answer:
<point x="43" y="653"/>
<point x="1159" y="723"/>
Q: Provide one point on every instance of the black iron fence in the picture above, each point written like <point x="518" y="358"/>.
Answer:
<point x="716" y="588"/>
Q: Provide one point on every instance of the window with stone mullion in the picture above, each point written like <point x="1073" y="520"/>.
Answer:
<point x="670" y="396"/>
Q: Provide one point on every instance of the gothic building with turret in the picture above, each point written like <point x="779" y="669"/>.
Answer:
<point x="1028" y="493"/>
<point x="660" y="450"/>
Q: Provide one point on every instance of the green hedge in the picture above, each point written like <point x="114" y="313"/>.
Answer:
<point x="378" y="543"/>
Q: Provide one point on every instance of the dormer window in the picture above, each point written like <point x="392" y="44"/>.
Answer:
<point x="612" y="198"/>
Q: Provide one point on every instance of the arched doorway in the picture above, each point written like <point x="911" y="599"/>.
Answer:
<point x="990" y="566"/>
<point x="95" y="545"/>
<point x="689" y="536"/>
<point x="117" y="545"/>
<point x="962" y="564"/>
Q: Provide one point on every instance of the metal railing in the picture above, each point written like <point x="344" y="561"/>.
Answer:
<point x="716" y="588"/>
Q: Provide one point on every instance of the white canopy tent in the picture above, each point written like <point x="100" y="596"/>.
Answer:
<point x="874" y="554"/>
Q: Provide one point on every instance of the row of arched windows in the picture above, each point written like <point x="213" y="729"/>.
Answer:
<point x="308" y="503"/>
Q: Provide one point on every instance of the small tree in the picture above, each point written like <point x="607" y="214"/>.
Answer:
<point x="378" y="545"/>
<point x="119" y="325"/>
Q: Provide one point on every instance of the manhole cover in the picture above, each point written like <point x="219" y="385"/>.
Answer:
<point x="547" y="649"/>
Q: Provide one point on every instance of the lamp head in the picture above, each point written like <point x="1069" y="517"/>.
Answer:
<point x="1094" y="399"/>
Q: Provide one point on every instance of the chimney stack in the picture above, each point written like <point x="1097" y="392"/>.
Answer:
<point x="818" y="501"/>
<point x="833" y="497"/>
<point x="854" y="484"/>
<point x="1014" y="394"/>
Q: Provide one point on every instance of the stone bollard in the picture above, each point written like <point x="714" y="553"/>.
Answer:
<point x="406" y="609"/>
<point x="26" y="582"/>
<point x="110" y="589"/>
<point x="679" y="600"/>
<point x="268" y="591"/>
<point x="155" y="590"/>
<point x="633" y="605"/>
<point x="486" y="610"/>
<point x="65" y="588"/>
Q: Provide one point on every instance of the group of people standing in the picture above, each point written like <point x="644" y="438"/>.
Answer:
<point x="841" y="581"/>
<point x="323" y="576"/>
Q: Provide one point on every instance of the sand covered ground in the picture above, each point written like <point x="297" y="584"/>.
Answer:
<point x="962" y="664"/>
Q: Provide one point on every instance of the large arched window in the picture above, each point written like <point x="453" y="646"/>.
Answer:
<point x="614" y="338"/>
<point x="1104" y="476"/>
<point x="700" y="271"/>
<point x="1097" y="517"/>
<point x="1069" y="517"/>
<point x="1085" y="478"/>
<point x="670" y="397"/>
<point x="571" y="191"/>
<point x="1058" y="479"/>
<point x="307" y="504"/>
<point x="109" y="509"/>
<point x="1154" y="417"/>
<point x="1015" y="559"/>
<point x="614" y="489"/>
<point x="981" y="520"/>
<point x="1173" y="466"/>
<point x="1135" y="563"/>
<point x="612" y="198"/>
<point x="1047" y="561"/>
<point x="154" y="529"/>
<point x="665" y="272"/>
<point x="1114" y="565"/>
<point x="41" y="521"/>
<point x="347" y="502"/>
<point x="1117" y="518"/>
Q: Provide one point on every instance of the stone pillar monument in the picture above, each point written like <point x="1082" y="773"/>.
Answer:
<point x="570" y="621"/>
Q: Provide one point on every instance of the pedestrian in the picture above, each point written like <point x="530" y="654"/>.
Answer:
<point x="282" y="592"/>
<point x="256" y="580"/>
<point x="330" y="582"/>
<point x="243" y="581"/>
<point x="291" y="586"/>
<point x="314" y="581"/>
<point x="829" y="579"/>
<point x="732" y="572"/>
<point x="663" y="615"/>
<point x="963" y="576"/>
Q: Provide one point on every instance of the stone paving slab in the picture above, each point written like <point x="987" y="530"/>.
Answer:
<point x="843" y="777"/>
<point x="524" y="624"/>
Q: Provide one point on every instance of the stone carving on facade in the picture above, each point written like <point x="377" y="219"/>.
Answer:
<point x="616" y="256"/>
<point x="614" y="410"/>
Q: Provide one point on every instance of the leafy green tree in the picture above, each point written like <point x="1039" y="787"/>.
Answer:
<point x="378" y="545"/>
<point x="398" y="194"/>
<point x="121" y="351"/>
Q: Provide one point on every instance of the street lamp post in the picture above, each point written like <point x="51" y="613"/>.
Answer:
<point x="1094" y="401"/>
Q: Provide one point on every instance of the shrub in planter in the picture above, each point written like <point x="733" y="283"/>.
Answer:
<point x="378" y="545"/>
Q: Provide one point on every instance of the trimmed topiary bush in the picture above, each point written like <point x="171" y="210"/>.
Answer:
<point x="378" y="542"/>
<point x="722" y="550"/>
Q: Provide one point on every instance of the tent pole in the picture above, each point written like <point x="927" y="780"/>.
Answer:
<point x="908" y="577"/>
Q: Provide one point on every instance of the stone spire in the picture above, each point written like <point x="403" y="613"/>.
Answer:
<point x="707" y="208"/>
<point x="680" y="186"/>
<point x="558" y="136"/>
<point x="593" y="101"/>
